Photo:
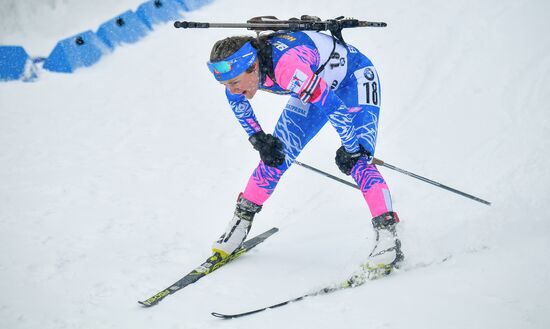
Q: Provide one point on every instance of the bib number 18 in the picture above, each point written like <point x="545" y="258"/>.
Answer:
<point x="368" y="91"/>
<point x="371" y="92"/>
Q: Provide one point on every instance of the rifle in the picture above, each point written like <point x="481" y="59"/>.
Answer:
<point x="272" y="23"/>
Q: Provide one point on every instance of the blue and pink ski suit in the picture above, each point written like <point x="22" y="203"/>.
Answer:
<point x="346" y="94"/>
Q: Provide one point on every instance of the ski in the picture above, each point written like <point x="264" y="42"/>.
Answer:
<point x="355" y="280"/>
<point x="210" y="265"/>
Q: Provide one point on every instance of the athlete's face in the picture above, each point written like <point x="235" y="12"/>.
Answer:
<point x="245" y="84"/>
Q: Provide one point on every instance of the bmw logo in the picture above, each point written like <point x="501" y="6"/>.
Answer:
<point x="368" y="74"/>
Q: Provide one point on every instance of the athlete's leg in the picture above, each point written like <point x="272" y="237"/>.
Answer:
<point x="363" y="98"/>
<point x="374" y="188"/>
<point x="368" y="178"/>
<point x="362" y="95"/>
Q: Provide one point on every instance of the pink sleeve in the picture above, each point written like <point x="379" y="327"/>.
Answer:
<point x="293" y="72"/>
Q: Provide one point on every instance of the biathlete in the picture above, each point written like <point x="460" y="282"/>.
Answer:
<point x="326" y="81"/>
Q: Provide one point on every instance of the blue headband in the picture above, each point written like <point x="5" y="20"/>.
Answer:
<point x="235" y="64"/>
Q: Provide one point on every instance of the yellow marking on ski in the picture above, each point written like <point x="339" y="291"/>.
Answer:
<point x="157" y="297"/>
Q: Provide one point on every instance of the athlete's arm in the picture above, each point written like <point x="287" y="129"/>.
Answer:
<point x="243" y="112"/>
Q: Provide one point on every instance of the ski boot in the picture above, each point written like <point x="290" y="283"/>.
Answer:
<point x="238" y="227"/>
<point x="386" y="254"/>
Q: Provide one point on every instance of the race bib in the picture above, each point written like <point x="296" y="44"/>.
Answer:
<point x="368" y="91"/>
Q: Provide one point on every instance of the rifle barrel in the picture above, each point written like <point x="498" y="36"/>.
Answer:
<point x="277" y="25"/>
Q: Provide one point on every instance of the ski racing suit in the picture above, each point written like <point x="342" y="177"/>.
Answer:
<point x="346" y="93"/>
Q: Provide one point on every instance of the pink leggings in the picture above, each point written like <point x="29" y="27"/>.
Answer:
<point x="264" y="179"/>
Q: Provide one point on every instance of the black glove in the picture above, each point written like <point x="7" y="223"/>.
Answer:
<point x="270" y="148"/>
<point x="346" y="161"/>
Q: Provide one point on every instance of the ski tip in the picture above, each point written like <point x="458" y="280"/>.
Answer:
<point x="145" y="303"/>
<point x="221" y="316"/>
<point x="156" y="298"/>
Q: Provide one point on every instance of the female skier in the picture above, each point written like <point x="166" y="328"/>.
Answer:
<point x="327" y="81"/>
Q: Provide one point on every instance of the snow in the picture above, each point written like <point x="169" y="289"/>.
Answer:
<point x="117" y="178"/>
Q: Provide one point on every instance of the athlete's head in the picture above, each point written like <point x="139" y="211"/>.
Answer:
<point x="234" y="63"/>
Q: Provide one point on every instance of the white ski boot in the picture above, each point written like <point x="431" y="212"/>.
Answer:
<point x="238" y="227"/>
<point x="386" y="254"/>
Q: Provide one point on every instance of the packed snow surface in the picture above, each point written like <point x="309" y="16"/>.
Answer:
<point x="116" y="179"/>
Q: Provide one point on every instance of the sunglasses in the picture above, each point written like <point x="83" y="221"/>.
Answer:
<point x="223" y="66"/>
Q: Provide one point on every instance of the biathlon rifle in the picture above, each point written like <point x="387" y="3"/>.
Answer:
<point x="304" y="23"/>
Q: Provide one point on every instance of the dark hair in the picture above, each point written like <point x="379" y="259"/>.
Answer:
<point x="226" y="47"/>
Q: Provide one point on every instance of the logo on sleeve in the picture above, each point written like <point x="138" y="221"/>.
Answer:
<point x="297" y="81"/>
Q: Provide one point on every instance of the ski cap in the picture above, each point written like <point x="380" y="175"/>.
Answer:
<point x="235" y="64"/>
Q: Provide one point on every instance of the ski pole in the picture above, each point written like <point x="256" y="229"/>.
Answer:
<point x="343" y="181"/>
<point x="429" y="181"/>
<point x="389" y="166"/>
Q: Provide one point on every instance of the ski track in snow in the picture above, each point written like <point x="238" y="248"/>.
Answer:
<point x="117" y="178"/>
